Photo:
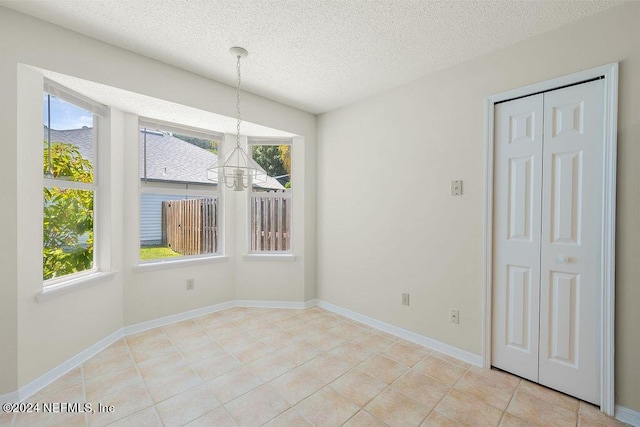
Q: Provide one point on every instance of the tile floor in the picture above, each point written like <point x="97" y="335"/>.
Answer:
<point x="278" y="367"/>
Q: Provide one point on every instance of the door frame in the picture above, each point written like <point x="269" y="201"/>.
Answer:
<point x="607" y="312"/>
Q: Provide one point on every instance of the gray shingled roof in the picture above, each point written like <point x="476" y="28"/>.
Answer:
<point x="168" y="158"/>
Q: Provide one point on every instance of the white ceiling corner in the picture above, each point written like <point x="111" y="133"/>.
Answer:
<point x="316" y="55"/>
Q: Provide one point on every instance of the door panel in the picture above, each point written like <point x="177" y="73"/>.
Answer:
<point x="517" y="207"/>
<point x="571" y="236"/>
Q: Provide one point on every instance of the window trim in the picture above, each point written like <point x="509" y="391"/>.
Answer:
<point x="179" y="188"/>
<point x="100" y="113"/>
<point x="269" y="255"/>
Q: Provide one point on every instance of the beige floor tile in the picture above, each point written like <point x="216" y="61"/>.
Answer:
<point x="145" y="418"/>
<point x="495" y="393"/>
<point x="233" y="384"/>
<point x="65" y="381"/>
<point x="125" y="402"/>
<point x="328" y="322"/>
<point x="6" y="419"/>
<point x="289" y="418"/>
<point x="263" y="329"/>
<point x="352" y="353"/>
<point x="374" y="341"/>
<point x="326" y="341"/>
<point x="160" y="345"/>
<point x="497" y="376"/>
<point x="326" y="367"/>
<point x="509" y="420"/>
<point x="203" y="350"/>
<point x="296" y="385"/>
<point x="252" y="351"/>
<point x="41" y="419"/>
<point x="550" y="396"/>
<point x="290" y="322"/>
<point x="187" y="406"/>
<point x="215" y="366"/>
<point x="591" y="422"/>
<point x="468" y="409"/>
<point x="224" y="330"/>
<point x="161" y="366"/>
<point x="182" y="329"/>
<point x="271" y="366"/>
<point x="71" y="393"/>
<point x="280" y="339"/>
<point x="70" y="378"/>
<point x="300" y="352"/>
<point x="407" y="355"/>
<point x="97" y="387"/>
<point x="103" y="362"/>
<point x="219" y="417"/>
<point x="348" y="330"/>
<point x="441" y="370"/>
<point x="423" y="389"/>
<point x="396" y="408"/>
<point x="232" y="342"/>
<point x="364" y="419"/>
<point x="382" y="368"/>
<point x="146" y="337"/>
<point x="211" y="320"/>
<point x="306" y="330"/>
<point x="591" y="414"/>
<point x="530" y="408"/>
<point x="257" y="407"/>
<point x="169" y="385"/>
<point x="450" y="359"/>
<point x="436" y="419"/>
<point x="358" y="386"/>
<point x="327" y="408"/>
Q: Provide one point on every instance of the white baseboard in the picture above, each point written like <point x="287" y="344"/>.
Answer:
<point x="174" y="318"/>
<point x="465" y="356"/>
<point x="12" y="397"/>
<point x="72" y="363"/>
<point x="628" y="416"/>
<point x="298" y="305"/>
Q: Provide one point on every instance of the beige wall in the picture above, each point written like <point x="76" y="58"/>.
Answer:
<point x="36" y="337"/>
<point x="387" y="223"/>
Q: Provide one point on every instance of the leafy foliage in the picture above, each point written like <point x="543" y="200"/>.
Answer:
<point x="275" y="160"/>
<point x="68" y="213"/>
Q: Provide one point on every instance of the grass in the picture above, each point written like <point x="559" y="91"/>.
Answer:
<point x="155" y="252"/>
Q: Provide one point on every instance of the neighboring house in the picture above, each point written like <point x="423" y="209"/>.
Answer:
<point x="169" y="160"/>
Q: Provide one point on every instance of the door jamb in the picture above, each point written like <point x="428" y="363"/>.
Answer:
<point x="607" y="291"/>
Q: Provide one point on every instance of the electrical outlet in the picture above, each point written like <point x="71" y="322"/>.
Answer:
<point x="456" y="188"/>
<point x="190" y="284"/>
<point x="405" y="299"/>
<point x="454" y="315"/>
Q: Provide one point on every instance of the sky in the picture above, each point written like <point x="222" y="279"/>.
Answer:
<point x="65" y="115"/>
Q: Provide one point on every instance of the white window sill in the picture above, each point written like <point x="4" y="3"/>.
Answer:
<point x="72" y="285"/>
<point x="173" y="263"/>
<point x="269" y="257"/>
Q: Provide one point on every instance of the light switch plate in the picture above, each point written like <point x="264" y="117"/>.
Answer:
<point x="456" y="188"/>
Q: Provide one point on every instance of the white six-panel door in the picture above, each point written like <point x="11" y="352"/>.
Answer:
<point x="547" y="230"/>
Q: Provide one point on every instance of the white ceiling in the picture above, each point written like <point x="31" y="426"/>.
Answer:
<point x="316" y="55"/>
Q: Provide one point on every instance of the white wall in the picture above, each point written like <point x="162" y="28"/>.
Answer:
<point x="36" y="337"/>
<point x="387" y="223"/>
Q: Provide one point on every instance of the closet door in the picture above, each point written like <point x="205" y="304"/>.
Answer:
<point x="518" y="130"/>
<point x="572" y="204"/>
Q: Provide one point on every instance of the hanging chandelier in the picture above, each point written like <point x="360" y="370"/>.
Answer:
<point x="236" y="168"/>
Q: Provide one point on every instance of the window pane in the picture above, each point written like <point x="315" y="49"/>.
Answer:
<point x="166" y="157"/>
<point x="270" y="223"/>
<point x="68" y="231"/>
<point x="276" y="161"/>
<point x="68" y="141"/>
<point x="174" y="225"/>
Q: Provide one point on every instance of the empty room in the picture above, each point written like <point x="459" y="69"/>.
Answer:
<point x="319" y="213"/>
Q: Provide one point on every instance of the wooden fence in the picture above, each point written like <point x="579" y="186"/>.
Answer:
<point x="270" y="222"/>
<point x="190" y="227"/>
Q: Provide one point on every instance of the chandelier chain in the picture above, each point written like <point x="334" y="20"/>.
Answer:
<point x="238" y="104"/>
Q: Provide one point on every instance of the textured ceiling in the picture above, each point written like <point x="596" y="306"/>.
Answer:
<point x="316" y="55"/>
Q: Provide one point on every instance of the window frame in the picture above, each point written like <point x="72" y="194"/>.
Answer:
<point x="288" y="194"/>
<point x="179" y="188"/>
<point x="100" y="116"/>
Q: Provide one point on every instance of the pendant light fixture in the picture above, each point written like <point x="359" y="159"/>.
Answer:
<point x="237" y="169"/>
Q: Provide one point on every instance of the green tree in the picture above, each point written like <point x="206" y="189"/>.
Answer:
<point x="275" y="160"/>
<point x="206" y="144"/>
<point x="68" y="213"/>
